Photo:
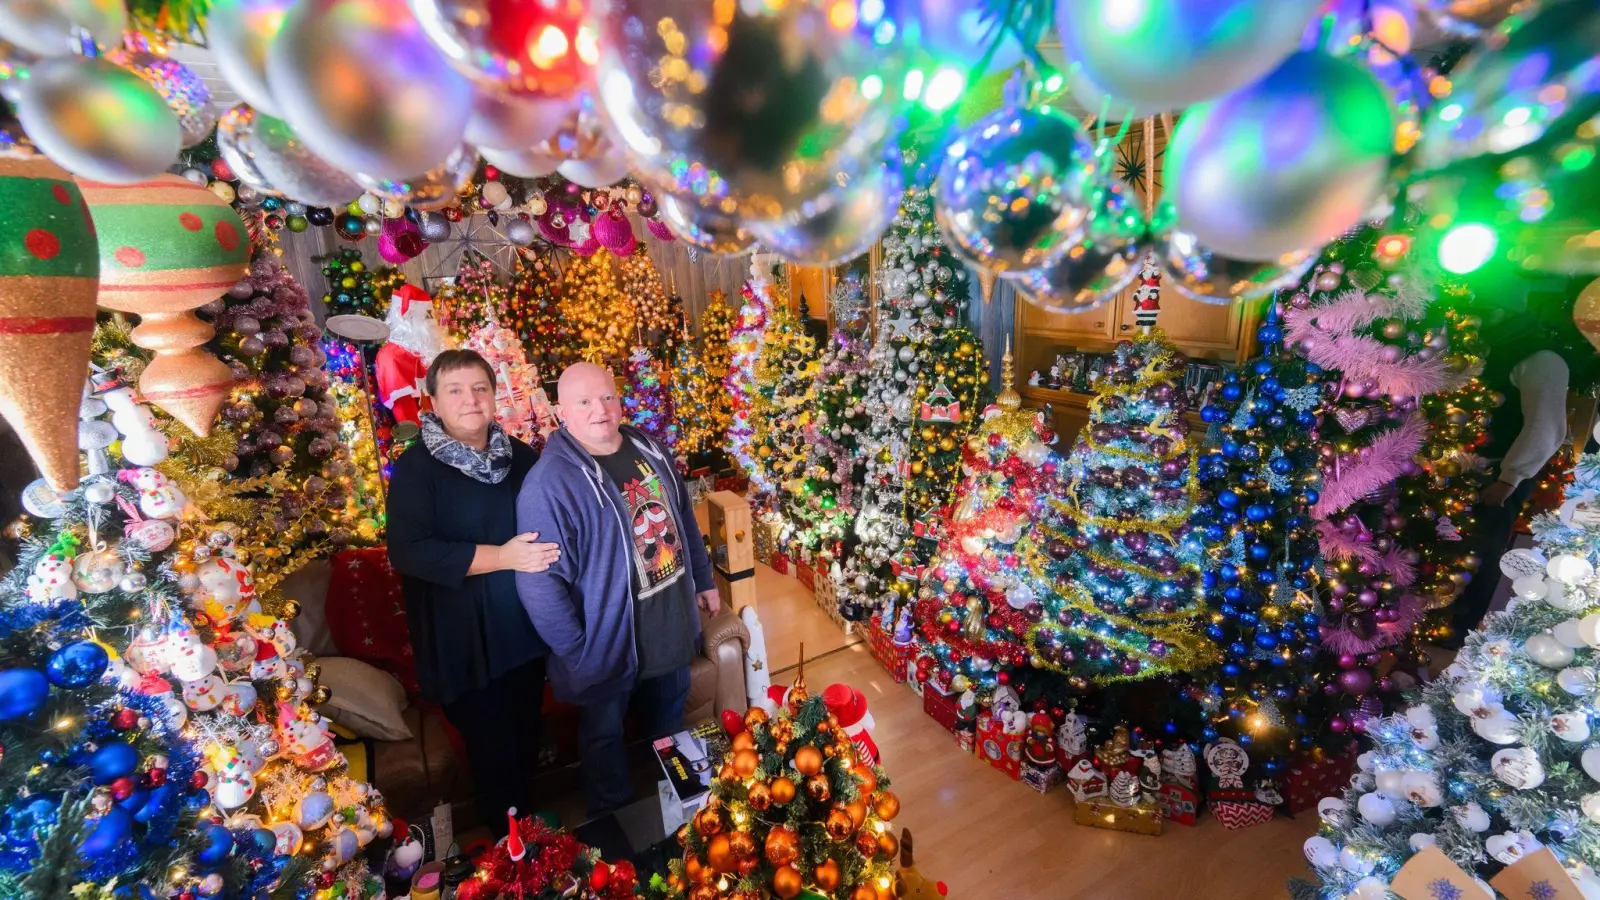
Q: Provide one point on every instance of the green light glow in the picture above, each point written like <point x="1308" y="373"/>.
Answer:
<point x="872" y="87"/>
<point x="1466" y="247"/>
<point x="1054" y="83"/>
<point x="914" y="79"/>
<point x="944" y="89"/>
<point x="1450" y="113"/>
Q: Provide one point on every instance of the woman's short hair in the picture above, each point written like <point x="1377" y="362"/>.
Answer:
<point x="450" y="361"/>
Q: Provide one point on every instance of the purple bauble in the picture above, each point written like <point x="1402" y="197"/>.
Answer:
<point x="1355" y="682"/>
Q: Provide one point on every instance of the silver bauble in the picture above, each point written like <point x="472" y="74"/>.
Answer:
<point x="46" y="27"/>
<point x="508" y="121"/>
<point x="1013" y="190"/>
<point x="185" y="92"/>
<point x="434" y="189"/>
<point x="1095" y="271"/>
<point x="703" y="228"/>
<point x="604" y="166"/>
<point x="1199" y="273"/>
<point x="98" y="121"/>
<point x="234" y="131"/>
<point x="435" y="227"/>
<point x="521" y="163"/>
<point x="1247" y="186"/>
<point x="372" y="225"/>
<point x="751" y="107"/>
<point x="399" y="107"/>
<point x="1167" y="54"/>
<point x="287" y="166"/>
<point x="840" y="225"/>
<point x="520" y="231"/>
<point x="239" y="33"/>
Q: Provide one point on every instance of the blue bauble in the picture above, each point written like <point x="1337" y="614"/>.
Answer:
<point x="219" y="843"/>
<point x="1210" y="734"/>
<point x="1312" y="496"/>
<point x="1208" y="579"/>
<point x="272" y="204"/>
<point x="1272" y="766"/>
<point x="1216" y="533"/>
<point x="26" y="820"/>
<point x="1276" y="421"/>
<point x="1228" y="499"/>
<point x="1215" y="632"/>
<point x="1269" y="334"/>
<point x="1260" y="552"/>
<point x="1267" y="576"/>
<point x="1250" y="452"/>
<point x="1269" y="385"/>
<point x="1262" y="366"/>
<point x="77" y="665"/>
<point x="113" y="761"/>
<point x="1307" y="419"/>
<point x="160" y="799"/>
<point x="263" y="841"/>
<point x="1232" y="392"/>
<point x="1257" y="512"/>
<point x="1210" y="413"/>
<point x="1233" y="594"/>
<point x="22" y="692"/>
<point x="1282" y="465"/>
<point x="1231" y="670"/>
<point x="1266" y="640"/>
<point x="1230" y="517"/>
<point x="113" y="828"/>
<point x="135" y="802"/>
<point x="1245" y="739"/>
<point x="1229" y="572"/>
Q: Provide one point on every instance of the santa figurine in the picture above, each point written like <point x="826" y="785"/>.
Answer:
<point x="1147" y="296"/>
<point x="849" y="706"/>
<point x="402" y="364"/>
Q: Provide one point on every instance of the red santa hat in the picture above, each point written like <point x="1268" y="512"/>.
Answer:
<point x="408" y="294"/>
<point x="514" y="846"/>
<point x="846" y="703"/>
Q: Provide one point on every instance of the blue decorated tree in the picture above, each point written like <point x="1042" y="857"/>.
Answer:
<point x="1260" y="478"/>
<point x="648" y="400"/>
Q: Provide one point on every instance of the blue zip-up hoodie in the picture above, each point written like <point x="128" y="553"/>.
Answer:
<point x="583" y="605"/>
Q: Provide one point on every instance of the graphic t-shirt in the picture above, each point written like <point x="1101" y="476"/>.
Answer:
<point x="664" y="619"/>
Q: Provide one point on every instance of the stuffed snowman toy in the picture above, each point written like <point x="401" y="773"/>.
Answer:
<point x="52" y="579"/>
<point x="226" y="588"/>
<point x="235" y="783"/>
<point x="142" y="443"/>
<point x="305" y="737"/>
<point x="188" y="657"/>
<point x="205" y="694"/>
<point x="159" y="498"/>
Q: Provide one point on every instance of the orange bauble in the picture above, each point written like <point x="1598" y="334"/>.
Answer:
<point x="887" y="805"/>
<point x="867" y="844"/>
<point x="837" y="824"/>
<point x="818" y="787"/>
<point x="726" y="773"/>
<point x="863" y="892"/>
<point x="744" y="741"/>
<point x="888" y="845"/>
<point x="782" y="790"/>
<point x="745" y="763"/>
<point x="747" y="865"/>
<point x="868" y="779"/>
<point x="169" y="245"/>
<point x="719" y="854"/>
<point x="693" y="869"/>
<point x="760" y="796"/>
<point x="704" y="891"/>
<point x="741" y="844"/>
<point x="808" y="760"/>
<point x="786" y="882"/>
<point x="827" y="876"/>
<point x="858" y="813"/>
<point x="756" y="716"/>
<point x="708" y="821"/>
<point x="783" y="846"/>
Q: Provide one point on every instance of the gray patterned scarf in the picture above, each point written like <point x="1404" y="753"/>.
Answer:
<point x="488" y="466"/>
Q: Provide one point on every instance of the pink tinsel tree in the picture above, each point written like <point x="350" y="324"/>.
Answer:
<point x="1361" y="314"/>
<point x="521" y="406"/>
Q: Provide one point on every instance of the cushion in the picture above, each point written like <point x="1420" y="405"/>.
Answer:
<point x="368" y="701"/>
<point x="367" y="615"/>
<point x="308" y="585"/>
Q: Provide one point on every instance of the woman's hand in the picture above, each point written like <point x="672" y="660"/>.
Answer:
<point x="523" y="553"/>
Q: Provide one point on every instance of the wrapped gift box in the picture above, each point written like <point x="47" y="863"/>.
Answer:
<point x="737" y="484"/>
<point x="1179" y="804"/>
<point x="1237" y="814"/>
<point x="895" y="658"/>
<point x="1003" y="749"/>
<point x="807" y="575"/>
<point x="766" y="539"/>
<point x="1138" y="819"/>
<point x="1311" y="778"/>
<point x="1042" y="778"/>
<point x="940" y="704"/>
<point x="779" y="562"/>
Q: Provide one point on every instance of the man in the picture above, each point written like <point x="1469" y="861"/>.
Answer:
<point x="618" y="607"/>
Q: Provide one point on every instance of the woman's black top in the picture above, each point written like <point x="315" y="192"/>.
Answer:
<point x="465" y="629"/>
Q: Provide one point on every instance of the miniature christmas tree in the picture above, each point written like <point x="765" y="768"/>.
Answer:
<point x="793" y="808"/>
<point x="599" y="315"/>
<point x="1493" y="760"/>
<point x="986" y="584"/>
<point x="473" y="300"/>
<point x="548" y="334"/>
<point x="716" y="335"/>
<point x="744" y="347"/>
<point x="694" y="396"/>
<point x="648" y="400"/>
<point x="365" y="427"/>
<point x="517" y="388"/>
<point x="1124" y="555"/>
<point x="123" y="740"/>
<point x="640" y="282"/>
<point x="782" y="405"/>
<point x="538" y="862"/>
<point x="1260" y="478"/>
<point x="823" y="504"/>
<point x="351" y="291"/>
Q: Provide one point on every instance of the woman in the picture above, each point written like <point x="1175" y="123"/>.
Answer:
<point x="454" y="541"/>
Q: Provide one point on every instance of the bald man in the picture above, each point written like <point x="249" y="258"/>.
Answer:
<point x="618" y="607"/>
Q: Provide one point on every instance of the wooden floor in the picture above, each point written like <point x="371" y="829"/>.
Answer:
<point x="990" y="838"/>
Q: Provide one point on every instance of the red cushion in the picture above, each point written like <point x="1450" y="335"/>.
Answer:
<point x="367" y="614"/>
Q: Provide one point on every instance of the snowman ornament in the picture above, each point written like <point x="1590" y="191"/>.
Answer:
<point x="159" y="498"/>
<point x="52" y="579"/>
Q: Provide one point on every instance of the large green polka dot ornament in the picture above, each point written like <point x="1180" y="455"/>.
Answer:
<point x="49" y="269"/>
<point x="168" y="246"/>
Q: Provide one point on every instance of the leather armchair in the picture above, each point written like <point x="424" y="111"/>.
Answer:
<point x="716" y="677"/>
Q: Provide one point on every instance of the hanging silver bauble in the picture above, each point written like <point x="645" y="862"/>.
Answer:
<point x="239" y="33"/>
<point x="98" y="120"/>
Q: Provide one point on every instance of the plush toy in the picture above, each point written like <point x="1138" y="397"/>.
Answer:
<point x="1147" y="296"/>
<point x="52" y="578"/>
<point x="159" y="498"/>
<point x="306" y="737"/>
<point x="757" y="678"/>
<point x="402" y="364"/>
<point x="1007" y="709"/>
<point x="909" y="884"/>
<point x="849" y="706"/>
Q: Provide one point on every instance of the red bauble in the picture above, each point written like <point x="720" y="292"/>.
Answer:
<point x="198" y="779"/>
<point x="1003" y="677"/>
<point x="123" y="788"/>
<point x="491" y="173"/>
<point x="156" y="777"/>
<point x="221" y="169"/>
<point x="124" y="719"/>
<point x="624" y="874"/>
<point x="599" y="878"/>
<point x="453" y="213"/>
<point x="732" y="722"/>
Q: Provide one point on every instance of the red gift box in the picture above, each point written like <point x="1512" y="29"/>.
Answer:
<point x="1309" y="779"/>
<point x="1178" y="803"/>
<point x="807" y="575"/>
<point x="895" y="658"/>
<point x="1234" y="814"/>
<point x="940" y="704"/>
<point x="779" y="562"/>
<point x="738" y="484"/>
<point x="1001" y="748"/>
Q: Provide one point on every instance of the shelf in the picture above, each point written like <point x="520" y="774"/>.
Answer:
<point x="1079" y="403"/>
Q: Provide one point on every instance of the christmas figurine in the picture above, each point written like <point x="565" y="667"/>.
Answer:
<point x="849" y="706"/>
<point x="402" y="364"/>
<point x="159" y="498"/>
<point x="1040" y="748"/>
<point x="1147" y="296"/>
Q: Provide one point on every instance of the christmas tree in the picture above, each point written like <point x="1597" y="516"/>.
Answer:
<point x="638" y="280"/>
<point x="823" y="504"/>
<point x="694" y="399"/>
<point x="599" y="315"/>
<point x="985" y="586"/>
<point x="744" y="354"/>
<point x="365" y="428"/>
<point x="474" y="299"/>
<point x="538" y="862"/>
<point x="918" y="384"/>
<point x="129" y="758"/>
<point x="1260" y="477"/>
<point x="648" y="400"/>
<point x="351" y="291"/>
<point x="537" y="285"/>
<point x="518" y="390"/>
<point x="1124" y="554"/>
<point x="716" y="335"/>
<point x="781" y="406"/>
<point x="1493" y="761"/>
<point x="1360" y="315"/>
<point x="793" y="808"/>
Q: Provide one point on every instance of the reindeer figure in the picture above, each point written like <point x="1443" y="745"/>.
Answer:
<point x="909" y="884"/>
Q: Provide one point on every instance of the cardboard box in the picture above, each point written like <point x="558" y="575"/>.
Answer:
<point x="1141" y="819"/>
<point x="686" y="761"/>
<point x="1311" y="777"/>
<point x="895" y="658"/>
<point x="730" y="532"/>
<point x="1042" y="778"/>
<point x="1001" y="748"/>
<point x="737" y="591"/>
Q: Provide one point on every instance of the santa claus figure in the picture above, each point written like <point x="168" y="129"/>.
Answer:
<point x="1147" y="296"/>
<point x="849" y="706"/>
<point x="414" y="340"/>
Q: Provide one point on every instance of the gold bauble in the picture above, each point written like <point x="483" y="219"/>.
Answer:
<point x="857" y="811"/>
<point x="745" y="763"/>
<point x="782" y="790"/>
<point x="708" y="821"/>
<point x="322" y="694"/>
<point x="888" y="845"/>
<point x="291" y="609"/>
<point x="808" y="760"/>
<point x="818" y="787"/>
<point x="783" y="846"/>
<point x="886" y="805"/>
<point x="705" y="890"/>
<point x="719" y="854"/>
<point x="760" y="797"/>
<point x="867" y="844"/>
<point x="741" y="844"/>
<point x="786" y="882"/>
<point x="756" y="716"/>
<point x="868" y="779"/>
<point x="826" y="876"/>
<point x="837" y="824"/>
<point x="863" y="891"/>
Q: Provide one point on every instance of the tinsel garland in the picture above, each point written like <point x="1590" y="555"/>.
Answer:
<point x="1384" y="460"/>
<point x="1325" y="335"/>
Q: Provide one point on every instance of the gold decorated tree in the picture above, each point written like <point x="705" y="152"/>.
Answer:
<point x="599" y="313"/>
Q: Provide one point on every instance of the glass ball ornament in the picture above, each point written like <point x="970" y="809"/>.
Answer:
<point x="1013" y="190"/>
<point x="1099" y="267"/>
<point x="98" y="120"/>
<point x="760" y="106"/>
<point x="707" y="229"/>
<point x="239" y="33"/>
<point x="433" y="189"/>
<point x="519" y="51"/>
<point x="185" y="92"/>
<point x="1201" y="273"/>
<point x="840" y="225"/>
<point x="267" y="155"/>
